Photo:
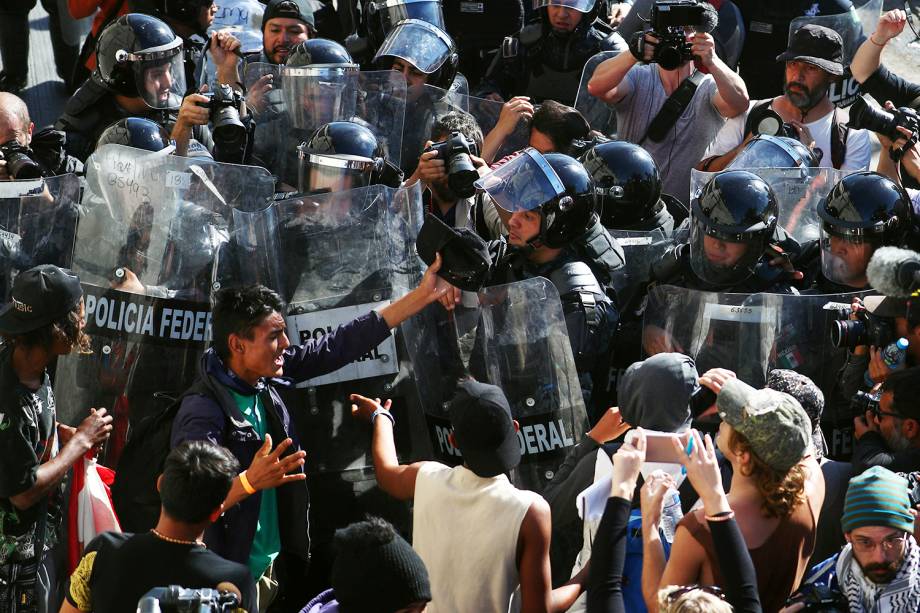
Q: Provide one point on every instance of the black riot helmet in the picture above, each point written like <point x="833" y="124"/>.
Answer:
<point x="185" y="12"/>
<point x="343" y="155"/>
<point x="426" y="47"/>
<point x="140" y="56"/>
<point x="384" y="15"/>
<point x="765" y="151"/>
<point x="318" y="51"/>
<point x="589" y="10"/>
<point x="136" y="132"/>
<point x="736" y="208"/>
<point x="555" y="183"/>
<point x="864" y="208"/>
<point x="626" y="181"/>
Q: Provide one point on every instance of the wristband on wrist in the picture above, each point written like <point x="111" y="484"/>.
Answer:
<point x="723" y="516"/>
<point x="385" y="413"/>
<point x="872" y="40"/>
<point x="244" y="481"/>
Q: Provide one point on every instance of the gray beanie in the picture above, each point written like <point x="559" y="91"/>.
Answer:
<point x="655" y="393"/>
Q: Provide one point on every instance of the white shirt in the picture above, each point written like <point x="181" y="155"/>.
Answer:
<point x="858" y="155"/>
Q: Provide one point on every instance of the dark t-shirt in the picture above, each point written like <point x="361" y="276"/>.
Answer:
<point x="27" y="428"/>
<point x="118" y="569"/>
<point x="767" y="35"/>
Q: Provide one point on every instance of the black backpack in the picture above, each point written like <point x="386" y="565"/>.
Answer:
<point x="134" y="492"/>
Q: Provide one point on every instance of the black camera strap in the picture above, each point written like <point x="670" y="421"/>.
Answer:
<point x="673" y="108"/>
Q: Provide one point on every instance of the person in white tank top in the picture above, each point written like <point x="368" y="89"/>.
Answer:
<point x="480" y="537"/>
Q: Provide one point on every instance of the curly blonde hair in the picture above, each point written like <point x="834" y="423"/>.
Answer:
<point x="782" y="491"/>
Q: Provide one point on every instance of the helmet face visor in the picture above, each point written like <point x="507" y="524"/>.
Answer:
<point x="391" y="12"/>
<point x="524" y="183"/>
<point x="418" y="43"/>
<point x="844" y="258"/>
<point x="773" y="152"/>
<point x="582" y="6"/>
<point x="720" y="262"/>
<point x="316" y="95"/>
<point x="319" y="173"/>
<point x="159" y="74"/>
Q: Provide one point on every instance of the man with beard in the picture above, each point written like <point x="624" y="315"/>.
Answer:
<point x="285" y="24"/>
<point x="889" y="434"/>
<point x="814" y="60"/>
<point x="440" y="199"/>
<point x="879" y="568"/>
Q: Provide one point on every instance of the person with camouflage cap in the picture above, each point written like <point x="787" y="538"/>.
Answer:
<point x="776" y="499"/>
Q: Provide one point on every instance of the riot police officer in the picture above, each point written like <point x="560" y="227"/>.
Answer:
<point x="140" y="72"/>
<point x="628" y="187"/>
<point x="863" y="212"/>
<point x="135" y="132"/>
<point x="732" y="223"/>
<point x="423" y="53"/>
<point x="344" y="155"/>
<point x="548" y="203"/>
<point x="545" y="60"/>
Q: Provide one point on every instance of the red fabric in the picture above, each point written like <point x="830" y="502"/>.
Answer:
<point x="74" y="545"/>
<point x="84" y="8"/>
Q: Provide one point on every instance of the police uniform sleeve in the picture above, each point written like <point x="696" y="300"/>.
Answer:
<point x="18" y="461"/>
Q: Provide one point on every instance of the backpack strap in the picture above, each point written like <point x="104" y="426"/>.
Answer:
<point x="839" y="132"/>
<point x="673" y="108"/>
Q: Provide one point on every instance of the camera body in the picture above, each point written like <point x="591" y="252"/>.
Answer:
<point x="456" y="150"/>
<point x="19" y="162"/>
<point x="175" y="599"/>
<point x="867" y="329"/>
<point x="770" y="123"/>
<point x="864" y="116"/>
<point x="668" y="20"/>
<point x="864" y="401"/>
<point x="819" y="597"/>
<point x="225" y="104"/>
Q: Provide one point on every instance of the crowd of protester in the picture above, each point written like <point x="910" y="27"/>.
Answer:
<point x="632" y="161"/>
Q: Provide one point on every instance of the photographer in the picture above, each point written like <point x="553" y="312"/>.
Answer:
<point x="141" y="73"/>
<point x="881" y="83"/>
<point x="878" y="568"/>
<point x="196" y="478"/>
<point x="675" y="139"/>
<point x="813" y="61"/>
<point x="440" y="200"/>
<point x="889" y="433"/>
<point x="24" y="155"/>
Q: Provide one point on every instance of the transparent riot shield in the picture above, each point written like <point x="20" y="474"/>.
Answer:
<point x="798" y="193"/>
<point x="333" y="257"/>
<point x="38" y="221"/>
<point x="512" y="336"/>
<point x="152" y="225"/>
<point x="599" y="114"/>
<point x="427" y="104"/>
<point x="303" y="99"/>
<point x="853" y="26"/>
<point x="750" y="334"/>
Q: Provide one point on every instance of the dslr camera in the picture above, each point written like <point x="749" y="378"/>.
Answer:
<point x="865" y="116"/>
<point x="225" y="104"/>
<point x="668" y="20"/>
<point x="867" y="329"/>
<point x="19" y="162"/>
<point x="768" y="122"/>
<point x="819" y="597"/>
<point x="175" y="599"/>
<point x="864" y="401"/>
<point x="461" y="174"/>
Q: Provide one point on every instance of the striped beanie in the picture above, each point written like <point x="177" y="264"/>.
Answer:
<point x="877" y="497"/>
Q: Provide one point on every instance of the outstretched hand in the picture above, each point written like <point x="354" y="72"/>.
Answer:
<point x="364" y="408"/>
<point x="269" y="470"/>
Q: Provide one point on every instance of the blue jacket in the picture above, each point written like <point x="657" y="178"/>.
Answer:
<point x="208" y="412"/>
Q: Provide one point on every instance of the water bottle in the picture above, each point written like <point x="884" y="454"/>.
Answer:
<point x="893" y="355"/>
<point x="671" y="515"/>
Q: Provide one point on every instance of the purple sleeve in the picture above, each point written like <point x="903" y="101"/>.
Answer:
<point x="343" y="345"/>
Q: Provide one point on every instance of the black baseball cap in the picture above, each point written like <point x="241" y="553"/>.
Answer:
<point x="290" y="9"/>
<point x="40" y="296"/>
<point x="815" y="45"/>
<point x="484" y="429"/>
<point x="465" y="258"/>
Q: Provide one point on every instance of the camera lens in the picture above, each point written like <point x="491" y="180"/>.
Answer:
<point x="461" y="174"/>
<point x="22" y="166"/>
<point x="864" y="116"/>
<point x="849" y="334"/>
<point x="769" y="125"/>
<point x="227" y="125"/>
